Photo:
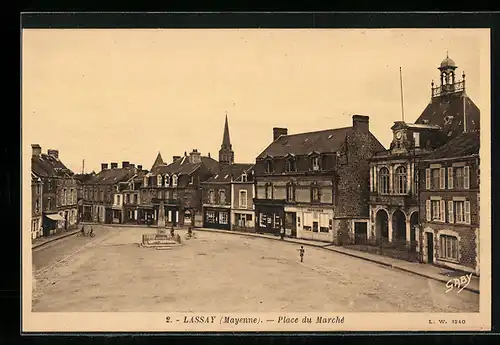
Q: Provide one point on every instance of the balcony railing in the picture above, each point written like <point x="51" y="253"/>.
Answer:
<point x="394" y="199"/>
<point x="448" y="88"/>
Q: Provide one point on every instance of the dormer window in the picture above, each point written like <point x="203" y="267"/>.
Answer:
<point x="174" y="180"/>
<point x="159" y="181"/>
<point x="167" y="180"/>
<point x="290" y="164"/>
<point x="244" y="177"/>
<point x="191" y="180"/>
<point x="269" y="166"/>
<point x="315" y="163"/>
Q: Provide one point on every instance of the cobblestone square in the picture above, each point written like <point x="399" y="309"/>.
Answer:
<point x="223" y="273"/>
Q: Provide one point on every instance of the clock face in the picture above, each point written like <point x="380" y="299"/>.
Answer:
<point x="398" y="135"/>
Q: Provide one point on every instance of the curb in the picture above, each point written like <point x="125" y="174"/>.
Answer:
<point x="341" y="252"/>
<point x="54" y="239"/>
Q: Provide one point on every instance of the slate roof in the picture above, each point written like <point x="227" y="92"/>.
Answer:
<point x="463" y="145"/>
<point x="182" y="166"/>
<point x="158" y="161"/>
<point x="113" y="176"/>
<point x="234" y="170"/>
<point x="45" y="165"/>
<point x="438" y="111"/>
<point x="325" y="141"/>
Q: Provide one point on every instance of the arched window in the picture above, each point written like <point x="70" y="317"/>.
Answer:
<point x="159" y="181"/>
<point x="244" y="177"/>
<point x="174" y="180"/>
<point x="290" y="164"/>
<point x="401" y="178"/>
<point x="269" y="166"/>
<point x="383" y="185"/>
<point x="315" y="163"/>
<point x="167" y="180"/>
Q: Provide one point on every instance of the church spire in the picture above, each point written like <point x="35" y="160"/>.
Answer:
<point x="226" y="154"/>
<point x="226" y="141"/>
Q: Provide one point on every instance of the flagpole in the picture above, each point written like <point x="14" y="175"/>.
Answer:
<point x="402" y="100"/>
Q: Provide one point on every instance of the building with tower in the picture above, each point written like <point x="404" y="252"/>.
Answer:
<point x="395" y="210"/>
<point x="227" y="197"/>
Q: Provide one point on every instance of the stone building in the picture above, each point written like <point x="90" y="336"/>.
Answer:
<point x="242" y="195"/>
<point x="36" y="206"/>
<point x="178" y="186"/>
<point x="58" y="192"/>
<point x="449" y="204"/>
<point x="394" y="187"/>
<point x="316" y="184"/>
<point x="103" y="193"/>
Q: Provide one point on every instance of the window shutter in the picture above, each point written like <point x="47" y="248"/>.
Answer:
<point x="450" y="212"/>
<point x="442" y="210"/>
<point x="442" y="178"/>
<point x="428" y="210"/>
<point x="466" y="177"/>
<point x="427" y="178"/>
<point x="467" y="212"/>
<point x="450" y="178"/>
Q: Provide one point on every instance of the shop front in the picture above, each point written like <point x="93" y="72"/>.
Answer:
<point x="216" y="218"/>
<point x="315" y="223"/>
<point x="269" y="216"/>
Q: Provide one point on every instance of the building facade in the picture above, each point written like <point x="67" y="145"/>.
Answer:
<point x="316" y="185"/>
<point x="178" y="187"/>
<point x="58" y="210"/>
<point x="242" y="195"/>
<point x="36" y="206"/>
<point x="449" y="204"/>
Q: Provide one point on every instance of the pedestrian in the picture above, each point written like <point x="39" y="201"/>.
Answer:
<point x="301" y="252"/>
<point x="282" y="233"/>
<point x="83" y="230"/>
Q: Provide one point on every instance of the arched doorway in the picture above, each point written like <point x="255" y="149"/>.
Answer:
<point x="413" y="226"/>
<point x="399" y="226"/>
<point x="382" y="225"/>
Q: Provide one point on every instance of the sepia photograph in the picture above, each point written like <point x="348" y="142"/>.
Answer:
<point x="255" y="180"/>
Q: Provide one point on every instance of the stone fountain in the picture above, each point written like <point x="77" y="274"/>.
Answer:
<point x="160" y="239"/>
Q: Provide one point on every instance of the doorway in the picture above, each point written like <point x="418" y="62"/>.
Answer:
<point x="430" y="247"/>
<point x="360" y="232"/>
<point x="290" y="224"/>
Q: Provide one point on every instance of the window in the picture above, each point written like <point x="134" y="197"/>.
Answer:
<point x="448" y="247"/>
<point x="383" y="184"/>
<point x="262" y="220"/>
<point x="102" y="195"/>
<point x="307" y="221"/>
<point x="49" y="204"/>
<point x="324" y="222"/>
<point x="160" y="194"/>
<point x="435" y="210"/>
<point x="222" y="217"/>
<point x="65" y="197"/>
<point x="145" y="181"/>
<point x="269" y="191"/>
<point x="222" y="196"/>
<point x="401" y="178"/>
<point x="416" y="139"/>
<point x="174" y="180"/>
<point x="290" y="165"/>
<point x="315" y="163"/>
<point x="159" y="181"/>
<point x="269" y="166"/>
<point x="167" y="180"/>
<point x="211" y="197"/>
<point x="459" y="211"/>
<point x="434" y="178"/>
<point x="290" y="192"/>
<point x="174" y="195"/>
<point x="37" y="206"/>
<point x="210" y="216"/>
<point x="243" y="199"/>
<point x="315" y="194"/>
<point x="49" y="185"/>
<point x="85" y="194"/>
<point x="118" y="200"/>
<point x="191" y="180"/>
<point x="244" y="177"/>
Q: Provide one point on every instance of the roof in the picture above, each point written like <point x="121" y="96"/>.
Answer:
<point x="45" y="165"/>
<point x="182" y="166"/>
<point x="324" y="141"/>
<point x="466" y="144"/>
<point x="448" y="113"/>
<point x="158" y="161"/>
<point x="84" y="178"/>
<point x="113" y="176"/>
<point x="233" y="171"/>
<point x="448" y="62"/>
<point x="226" y="141"/>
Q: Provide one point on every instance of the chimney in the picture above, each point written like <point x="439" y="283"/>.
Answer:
<point x="36" y="150"/>
<point x="104" y="166"/>
<point x="139" y="167"/>
<point x="277" y="132"/>
<point x="361" y="123"/>
<point x="125" y="164"/>
<point x="114" y="165"/>
<point x="174" y="158"/>
<point x="131" y="165"/>
<point x="195" y="156"/>
<point x="53" y="153"/>
<point x="209" y="155"/>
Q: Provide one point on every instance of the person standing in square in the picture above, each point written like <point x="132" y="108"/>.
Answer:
<point x="301" y="253"/>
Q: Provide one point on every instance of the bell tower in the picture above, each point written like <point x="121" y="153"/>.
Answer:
<point x="226" y="153"/>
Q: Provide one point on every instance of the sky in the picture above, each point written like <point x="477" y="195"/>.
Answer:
<point x="124" y="95"/>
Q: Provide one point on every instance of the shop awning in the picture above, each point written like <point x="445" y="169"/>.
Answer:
<point x="55" y="216"/>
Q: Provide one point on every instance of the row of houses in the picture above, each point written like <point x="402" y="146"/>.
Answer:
<point x="419" y="198"/>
